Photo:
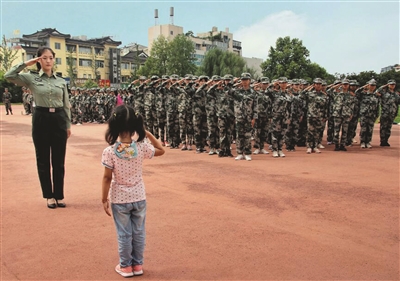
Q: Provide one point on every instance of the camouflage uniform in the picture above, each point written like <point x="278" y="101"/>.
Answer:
<point x="188" y="88"/>
<point x="296" y="114"/>
<point x="161" y="94"/>
<point x="211" y="111"/>
<point x="245" y="105"/>
<point x="262" y="124"/>
<point x="343" y="107"/>
<point x="280" y="115"/>
<point x="150" y="117"/>
<point x="369" y="111"/>
<point x="139" y="100"/>
<point x="390" y="101"/>
<point x="226" y="117"/>
<point x="172" y="116"/>
<point x="200" y="117"/>
<point x="317" y="104"/>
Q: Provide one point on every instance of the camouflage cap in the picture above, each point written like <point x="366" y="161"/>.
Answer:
<point x="174" y="77"/>
<point x="275" y="80"/>
<point x="353" y="82"/>
<point x="142" y="78"/>
<point x="204" y="77"/>
<point x="337" y="81"/>
<point x="324" y="83"/>
<point x="245" y="76"/>
<point x="228" y="77"/>
<point x="264" y="80"/>
<point x="101" y="90"/>
<point x="317" y="81"/>
<point x="295" y="82"/>
<point x="283" y="80"/>
<point x="194" y="77"/>
<point x="345" y="81"/>
<point x="391" y="81"/>
<point x="216" y="78"/>
<point x="73" y="89"/>
<point x="304" y="82"/>
<point x="107" y="89"/>
<point x="154" y="77"/>
<point x="188" y="76"/>
<point x="372" y="82"/>
<point x="165" y="77"/>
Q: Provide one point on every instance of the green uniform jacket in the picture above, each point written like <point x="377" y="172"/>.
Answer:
<point x="47" y="91"/>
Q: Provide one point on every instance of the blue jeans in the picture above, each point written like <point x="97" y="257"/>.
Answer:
<point x="130" y="221"/>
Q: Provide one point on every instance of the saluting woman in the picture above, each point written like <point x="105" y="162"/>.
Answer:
<point x="51" y="121"/>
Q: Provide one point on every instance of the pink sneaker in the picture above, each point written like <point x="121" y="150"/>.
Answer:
<point x="124" y="271"/>
<point x="137" y="269"/>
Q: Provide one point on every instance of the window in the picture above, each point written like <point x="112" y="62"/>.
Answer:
<point x="99" y="64"/>
<point x="85" y="63"/>
<point x="84" y="75"/>
<point x="98" y="51"/>
<point x="29" y="56"/>
<point x="85" y="50"/>
<point x="198" y="46"/>
<point x="124" y="65"/>
<point x="58" y="61"/>
<point x="73" y="61"/>
<point x="57" y="46"/>
<point x="90" y="76"/>
<point x="133" y="66"/>
<point x="71" y="48"/>
<point x="171" y="32"/>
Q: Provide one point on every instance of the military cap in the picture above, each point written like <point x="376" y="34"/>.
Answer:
<point x="195" y="77"/>
<point x="203" y="77"/>
<point x="142" y="78"/>
<point x="324" y="83"/>
<point x="228" y="77"/>
<point x="304" y="82"/>
<point x="73" y="89"/>
<point x="154" y="77"/>
<point x="188" y="76"/>
<point x="165" y="77"/>
<point x="275" y="80"/>
<point x="245" y="75"/>
<point x="216" y="77"/>
<point x="101" y="90"/>
<point x="317" y="81"/>
<point x="353" y="82"/>
<point x="93" y="89"/>
<point x="283" y="80"/>
<point x="264" y="80"/>
<point x="108" y="89"/>
<point x="345" y="81"/>
<point x="112" y="90"/>
<point x="337" y="81"/>
<point x="391" y="81"/>
<point x="174" y="77"/>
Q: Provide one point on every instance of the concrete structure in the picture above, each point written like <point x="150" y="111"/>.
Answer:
<point x="255" y="64"/>
<point x="395" y="67"/>
<point x="169" y="31"/>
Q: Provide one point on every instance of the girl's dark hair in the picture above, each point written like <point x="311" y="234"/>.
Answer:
<point x="40" y="52"/>
<point x="124" y="120"/>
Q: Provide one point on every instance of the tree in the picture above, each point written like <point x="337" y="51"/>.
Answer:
<point x="7" y="55"/>
<point x="159" y="52"/>
<point x="314" y="70"/>
<point x="90" y="84"/>
<point x="289" y="59"/>
<point x="71" y="71"/>
<point x="180" y="56"/>
<point x="218" y="62"/>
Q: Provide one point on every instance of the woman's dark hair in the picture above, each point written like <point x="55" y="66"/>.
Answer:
<point x="40" y="52"/>
<point x="124" y="120"/>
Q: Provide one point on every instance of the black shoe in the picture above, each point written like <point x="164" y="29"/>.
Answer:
<point x="203" y="149"/>
<point x="342" y="148"/>
<point x="61" y="204"/>
<point x="222" y="154"/>
<point x="51" y="203"/>
<point x="6" y="113"/>
<point x="199" y="150"/>
<point x="385" y="143"/>
<point x="337" y="148"/>
<point x="229" y="153"/>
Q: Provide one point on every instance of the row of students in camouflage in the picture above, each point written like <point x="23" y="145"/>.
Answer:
<point x="196" y="109"/>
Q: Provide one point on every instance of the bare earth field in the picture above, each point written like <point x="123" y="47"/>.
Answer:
<point x="304" y="217"/>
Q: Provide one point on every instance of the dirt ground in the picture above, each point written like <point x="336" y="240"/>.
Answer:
<point x="304" y="217"/>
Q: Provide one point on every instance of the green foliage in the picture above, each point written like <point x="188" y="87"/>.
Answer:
<point x="7" y="55"/>
<point x="218" y="62"/>
<point x="289" y="58"/>
<point x="181" y="60"/>
<point x="90" y="84"/>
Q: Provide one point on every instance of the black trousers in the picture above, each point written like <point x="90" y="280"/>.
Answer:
<point x="49" y="133"/>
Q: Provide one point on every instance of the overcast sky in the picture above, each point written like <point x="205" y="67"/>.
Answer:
<point x="342" y="36"/>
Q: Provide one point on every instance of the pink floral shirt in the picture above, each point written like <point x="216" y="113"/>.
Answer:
<point x="127" y="184"/>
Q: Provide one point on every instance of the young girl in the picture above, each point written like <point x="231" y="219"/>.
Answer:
<point x="123" y="161"/>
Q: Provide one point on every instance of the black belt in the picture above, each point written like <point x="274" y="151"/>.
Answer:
<point x="49" y="109"/>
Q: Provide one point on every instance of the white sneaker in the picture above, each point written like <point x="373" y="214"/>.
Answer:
<point x="270" y="147"/>
<point x="247" y="157"/>
<point x="362" y="145"/>
<point x="79" y="124"/>
<point x="316" y="150"/>
<point x="354" y="141"/>
<point x="321" y="146"/>
<point x="257" y="151"/>
<point x="281" y="154"/>
<point x="212" y="151"/>
<point x="263" y="151"/>
<point x="275" y="154"/>
<point x="369" y="145"/>
<point x="239" y="157"/>
<point x="309" y="150"/>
